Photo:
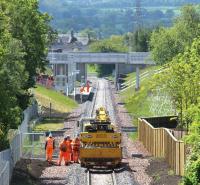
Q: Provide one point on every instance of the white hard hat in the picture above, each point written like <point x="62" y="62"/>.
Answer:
<point x="50" y="134"/>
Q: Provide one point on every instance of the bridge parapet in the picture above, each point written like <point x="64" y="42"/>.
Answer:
<point x="138" y="58"/>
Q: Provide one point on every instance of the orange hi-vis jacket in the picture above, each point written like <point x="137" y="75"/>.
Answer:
<point x="49" y="147"/>
<point x="63" y="152"/>
<point x="75" y="149"/>
<point x="63" y="146"/>
<point x="69" y="147"/>
<point x="50" y="143"/>
<point x="76" y="144"/>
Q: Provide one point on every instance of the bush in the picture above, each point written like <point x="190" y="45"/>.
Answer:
<point x="4" y="143"/>
<point x="192" y="172"/>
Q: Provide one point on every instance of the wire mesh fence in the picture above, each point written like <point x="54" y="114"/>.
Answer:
<point x="5" y="173"/>
<point x="6" y="166"/>
<point x="9" y="157"/>
<point x="33" y="145"/>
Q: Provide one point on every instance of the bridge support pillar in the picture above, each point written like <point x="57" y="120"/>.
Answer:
<point x="85" y="73"/>
<point x="116" y="75"/>
<point x="82" y="76"/>
<point x="137" y="84"/>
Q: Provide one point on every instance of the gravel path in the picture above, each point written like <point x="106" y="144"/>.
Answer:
<point x="72" y="174"/>
<point x="104" y="98"/>
<point x="64" y="175"/>
<point x="136" y="166"/>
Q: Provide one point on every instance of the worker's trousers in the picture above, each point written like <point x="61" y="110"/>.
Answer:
<point x="66" y="156"/>
<point x="75" y="155"/>
<point x="49" y="154"/>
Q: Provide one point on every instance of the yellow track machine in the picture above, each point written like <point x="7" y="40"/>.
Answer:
<point x="100" y="143"/>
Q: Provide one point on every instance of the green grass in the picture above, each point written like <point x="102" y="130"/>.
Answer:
<point x="138" y="103"/>
<point x="60" y="102"/>
<point x="49" y="124"/>
<point x="132" y="76"/>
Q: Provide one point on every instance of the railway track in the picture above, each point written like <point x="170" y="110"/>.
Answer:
<point x="100" y="179"/>
<point x="101" y="99"/>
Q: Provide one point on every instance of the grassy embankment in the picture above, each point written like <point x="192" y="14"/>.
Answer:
<point x="144" y="102"/>
<point x="60" y="106"/>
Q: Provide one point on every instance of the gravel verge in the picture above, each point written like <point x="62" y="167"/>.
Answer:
<point x="137" y="166"/>
<point x="145" y="170"/>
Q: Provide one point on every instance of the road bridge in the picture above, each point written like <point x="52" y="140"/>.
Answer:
<point x="65" y="65"/>
<point x="134" y="58"/>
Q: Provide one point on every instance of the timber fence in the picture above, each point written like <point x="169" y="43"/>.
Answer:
<point x="160" y="142"/>
<point x="9" y="157"/>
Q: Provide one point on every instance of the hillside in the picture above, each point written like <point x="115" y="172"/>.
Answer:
<point x="108" y="17"/>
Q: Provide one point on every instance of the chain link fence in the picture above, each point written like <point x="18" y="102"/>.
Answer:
<point x="9" y="157"/>
<point x="33" y="145"/>
<point x="6" y="164"/>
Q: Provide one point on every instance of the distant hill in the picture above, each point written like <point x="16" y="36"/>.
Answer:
<point x="109" y="17"/>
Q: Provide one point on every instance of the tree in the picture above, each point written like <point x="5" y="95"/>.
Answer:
<point x="32" y="28"/>
<point x="139" y="40"/>
<point x="167" y="43"/>
<point x="12" y="77"/>
<point x="114" y="44"/>
<point x="181" y="80"/>
<point x="24" y="38"/>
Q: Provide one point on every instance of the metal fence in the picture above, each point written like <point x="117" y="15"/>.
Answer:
<point x="33" y="145"/>
<point x="4" y="174"/>
<point x="29" y="113"/>
<point x="6" y="166"/>
<point x="9" y="157"/>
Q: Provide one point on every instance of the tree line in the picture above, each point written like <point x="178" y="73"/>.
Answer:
<point x="110" y="17"/>
<point x="178" y="50"/>
<point x="25" y="35"/>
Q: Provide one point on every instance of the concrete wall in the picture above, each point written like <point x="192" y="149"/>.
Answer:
<point x="83" y="71"/>
<point x="64" y="77"/>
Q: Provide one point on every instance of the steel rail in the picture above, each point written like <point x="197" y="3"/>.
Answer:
<point x="92" y="107"/>
<point x="112" y="175"/>
<point x="89" y="180"/>
<point x="94" y="101"/>
<point x="114" y="180"/>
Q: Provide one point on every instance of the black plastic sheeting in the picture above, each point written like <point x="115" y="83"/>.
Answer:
<point x="165" y="121"/>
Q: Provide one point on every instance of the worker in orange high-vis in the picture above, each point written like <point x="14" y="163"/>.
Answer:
<point x="88" y="86"/>
<point x="76" y="149"/>
<point x="63" y="151"/>
<point x="49" y="147"/>
<point x="71" y="155"/>
<point x="69" y="150"/>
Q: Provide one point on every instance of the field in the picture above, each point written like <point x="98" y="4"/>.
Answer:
<point x="49" y="124"/>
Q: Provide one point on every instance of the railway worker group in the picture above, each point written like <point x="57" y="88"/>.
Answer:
<point x="68" y="150"/>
